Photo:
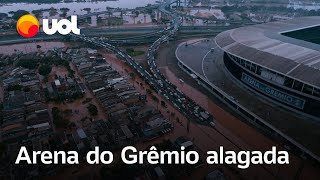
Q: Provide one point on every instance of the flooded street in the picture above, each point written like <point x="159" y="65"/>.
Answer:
<point x="79" y="115"/>
<point x="206" y="138"/>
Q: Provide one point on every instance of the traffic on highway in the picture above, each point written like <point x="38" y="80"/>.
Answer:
<point x="154" y="78"/>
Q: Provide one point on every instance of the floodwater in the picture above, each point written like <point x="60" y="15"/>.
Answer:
<point x="301" y="5"/>
<point x="205" y="138"/>
<point x="76" y="7"/>
<point x="29" y="47"/>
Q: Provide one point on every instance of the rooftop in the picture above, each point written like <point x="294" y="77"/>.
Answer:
<point x="265" y="45"/>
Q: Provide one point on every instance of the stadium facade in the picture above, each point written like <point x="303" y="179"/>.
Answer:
<point x="280" y="68"/>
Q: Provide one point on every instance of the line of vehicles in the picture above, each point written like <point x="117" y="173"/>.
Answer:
<point x="154" y="78"/>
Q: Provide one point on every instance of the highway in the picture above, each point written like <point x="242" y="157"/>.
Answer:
<point x="191" y="110"/>
<point x="154" y="78"/>
<point x="180" y="101"/>
<point x="136" y="35"/>
<point x="166" y="89"/>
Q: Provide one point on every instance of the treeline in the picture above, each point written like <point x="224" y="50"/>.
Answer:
<point x="44" y="64"/>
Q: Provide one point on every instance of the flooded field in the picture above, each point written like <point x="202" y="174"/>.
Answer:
<point x="30" y="47"/>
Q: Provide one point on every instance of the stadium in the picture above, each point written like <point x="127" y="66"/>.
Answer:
<point x="279" y="61"/>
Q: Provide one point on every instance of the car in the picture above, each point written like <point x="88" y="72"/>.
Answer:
<point x="166" y="97"/>
<point x="212" y="124"/>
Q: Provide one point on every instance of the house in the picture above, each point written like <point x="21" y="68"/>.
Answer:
<point x="156" y="127"/>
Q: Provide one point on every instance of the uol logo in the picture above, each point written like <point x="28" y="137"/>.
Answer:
<point x="28" y="26"/>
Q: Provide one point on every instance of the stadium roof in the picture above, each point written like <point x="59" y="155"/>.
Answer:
<point x="265" y="45"/>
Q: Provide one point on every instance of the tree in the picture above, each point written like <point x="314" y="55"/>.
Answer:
<point x="64" y="10"/>
<point x="16" y="15"/>
<point x="130" y="50"/>
<point x="58" y="118"/>
<point x="92" y="109"/>
<point x="14" y="87"/>
<point x="3" y="15"/>
<point x="87" y="9"/>
<point x="28" y="63"/>
<point x="132" y="75"/>
<point x="148" y="91"/>
<point x="45" y="70"/>
<point x="155" y="98"/>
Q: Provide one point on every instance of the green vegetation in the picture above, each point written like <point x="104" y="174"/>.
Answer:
<point x="45" y="70"/>
<point x="155" y="98"/>
<point x="132" y="75"/>
<point x="92" y="109"/>
<point x="35" y="63"/>
<point x="26" y="89"/>
<point x="17" y="14"/>
<point x="87" y="100"/>
<point x="149" y="91"/>
<point x="64" y="9"/>
<point x="133" y="53"/>
<point x="28" y="63"/>
<point x="58" y="118"/>
<point x="14" y="87"/>
<point x="87" y="9"/>
<point x="3" y="15"/>
<point x="66" y="95"/>
<point x="115" y="21"/>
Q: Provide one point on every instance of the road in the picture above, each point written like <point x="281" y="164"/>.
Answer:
<point x="183" y="104"/>
<point x="136" y="35"/>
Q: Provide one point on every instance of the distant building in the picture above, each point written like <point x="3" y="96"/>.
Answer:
<point x="92" y="51"/>
<point x="57" y="82"/>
